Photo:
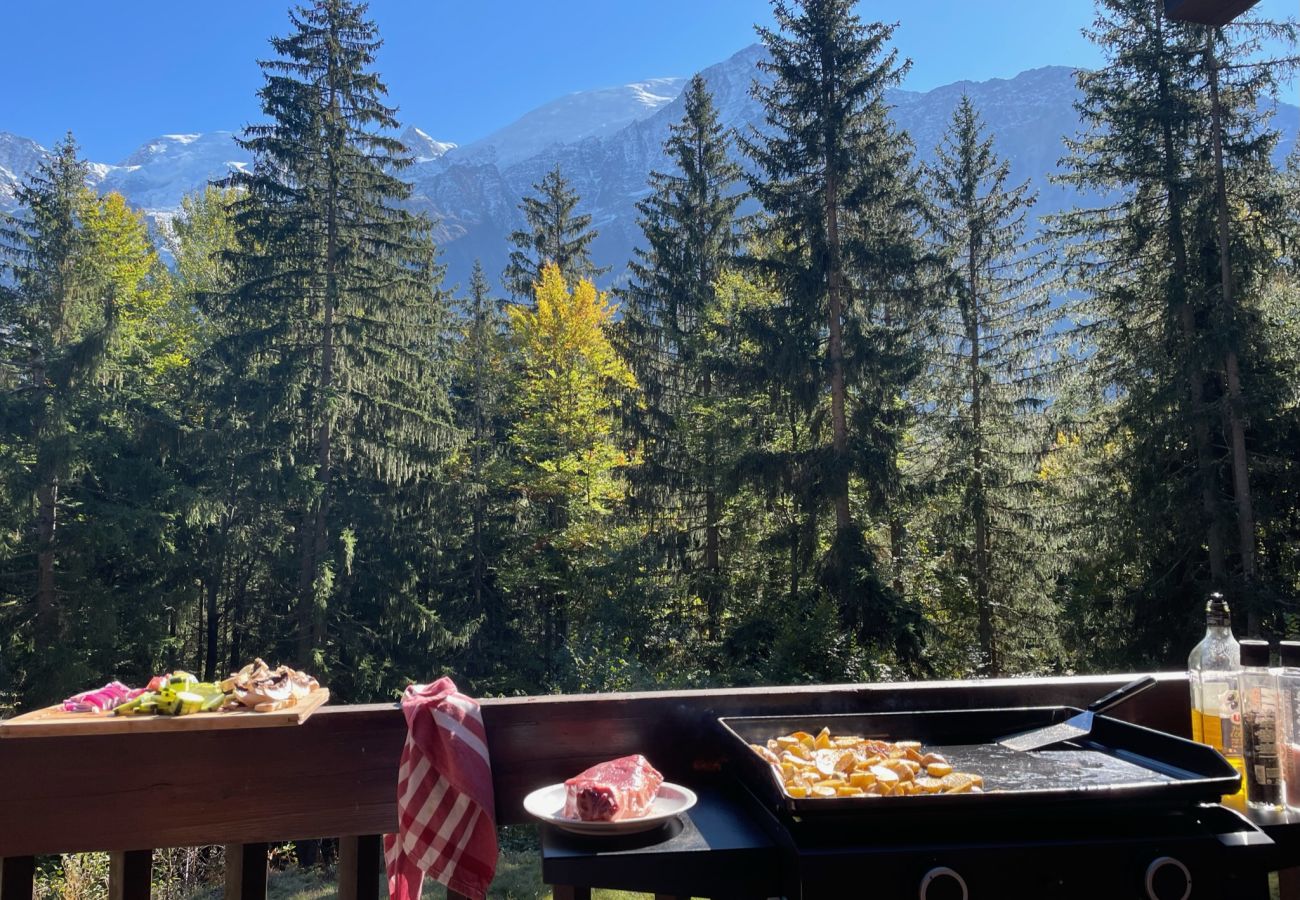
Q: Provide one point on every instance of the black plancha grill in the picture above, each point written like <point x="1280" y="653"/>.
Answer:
<point x="1126" y="813"/>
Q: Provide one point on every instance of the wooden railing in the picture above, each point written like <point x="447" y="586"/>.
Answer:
<point x="335" y="775"/>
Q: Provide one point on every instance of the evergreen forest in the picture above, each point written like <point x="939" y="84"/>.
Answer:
<point x="846" y="416"/>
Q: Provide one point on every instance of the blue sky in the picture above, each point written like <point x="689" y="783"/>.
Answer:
<point x="123" y="73"/>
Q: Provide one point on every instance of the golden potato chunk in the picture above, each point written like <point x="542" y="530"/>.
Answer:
<point x="957" y="783"/>
<point x="826" y="760"/>
<point x="847" y="766"/>
<point x="928" y="785"/>
<point x="885" y="776"/>
<point x="862" y="779"/>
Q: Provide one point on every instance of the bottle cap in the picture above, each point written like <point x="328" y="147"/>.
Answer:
<point x="1291" y="654"/>
<point x="1216" y="610"/>
<point x="1254" y="654"/>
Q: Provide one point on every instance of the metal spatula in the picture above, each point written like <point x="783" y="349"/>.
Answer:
<point x="1078" y="726"/>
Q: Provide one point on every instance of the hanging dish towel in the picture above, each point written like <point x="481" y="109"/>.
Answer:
<point x="446" y="826"/>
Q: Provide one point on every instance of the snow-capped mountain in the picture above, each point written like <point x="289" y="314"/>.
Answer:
<point x="606" y="142"/>
<point x="422" y="147"/>
<point x="570" y="119"/>
<point x="158" y="174"/>
<point x="18" y="156"/>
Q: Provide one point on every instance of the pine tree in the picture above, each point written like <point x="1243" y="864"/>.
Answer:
<point x="1158" y="318"/>
<point x="57" y="325"/>
<point x="339" y="325"/>
<point x="233" y="523"/>
<point x="834" y="178"/>
<point x="89" y="333"/>
<point x="479" y="386"/>
<point x="990" y="370"/>
<point x="554" y="233"/>
<point x="672" y="322"/>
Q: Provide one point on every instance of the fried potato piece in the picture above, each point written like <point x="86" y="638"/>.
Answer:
<point x="826" y="765"/>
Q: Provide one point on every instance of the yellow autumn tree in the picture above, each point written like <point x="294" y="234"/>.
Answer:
<point x="155" y="329"/>
<point x="566" y="460"/>
<point x="569" y="376"/>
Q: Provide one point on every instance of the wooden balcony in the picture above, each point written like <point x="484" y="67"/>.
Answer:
<point x="335" y="775"/>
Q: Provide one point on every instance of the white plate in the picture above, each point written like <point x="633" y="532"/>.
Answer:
<point x="547" y="804"/>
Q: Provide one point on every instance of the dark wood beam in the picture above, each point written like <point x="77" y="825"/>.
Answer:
<point x="246" y="871"/>
<point x="361" y="863"/>
<point x="130" y="875"/>
<point x="17" y="875"/>
<point x="1207" y="12"/>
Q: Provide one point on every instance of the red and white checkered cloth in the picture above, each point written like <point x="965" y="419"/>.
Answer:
<point x="445" y="814"/>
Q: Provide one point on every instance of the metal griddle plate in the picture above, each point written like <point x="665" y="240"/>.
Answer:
<point x="1118" y="764"/>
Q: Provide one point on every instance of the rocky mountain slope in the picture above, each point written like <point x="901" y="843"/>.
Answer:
<point x="606" y="142"/>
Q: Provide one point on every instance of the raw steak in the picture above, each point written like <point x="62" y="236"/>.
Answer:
<point x="619" y="789"/>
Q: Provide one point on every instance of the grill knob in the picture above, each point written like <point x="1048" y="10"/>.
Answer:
<point x="942" y="883"/>
<point x="1168" y="879"/>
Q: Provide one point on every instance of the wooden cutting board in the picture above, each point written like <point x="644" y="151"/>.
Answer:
<point x="54" y="721"/>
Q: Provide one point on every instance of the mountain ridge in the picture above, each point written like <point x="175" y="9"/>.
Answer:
<point x="606" y="142"/>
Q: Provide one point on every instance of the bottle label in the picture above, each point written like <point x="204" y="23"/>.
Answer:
<point x="1221" y="719"/>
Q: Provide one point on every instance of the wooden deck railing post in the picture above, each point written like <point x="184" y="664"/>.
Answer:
<point x="246" y="871"/>
<point x="570" y="892"/>
<point x="361" y="860"/>
<point x="16" y="876"/>
<point x="130" y="875"/>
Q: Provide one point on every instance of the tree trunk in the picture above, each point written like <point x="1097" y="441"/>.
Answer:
<point x="47" y="601"/>
<point x="712" y="530"/>
<point x="979" y="500"/>
<point x="1235" y="408"/>
<point x="835" y="356"/>
<point x="835" y="312"/>
<point x="1193" y="375"/>
<point x="238" y="604"/>
<point x="311" y="626"/>
<point x="212" y="590"/>
<point x="47" y="504"/>
<point x="712" y="565"/>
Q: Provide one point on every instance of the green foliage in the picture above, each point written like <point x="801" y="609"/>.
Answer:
<point x="90" y="334"/>
<point x="567" y="458"/>
<point x="337" y="326"/>
<point x="676" y="339"/>
<point x="555" y="234"/>
<point x="1154" y="403"/>
<point x="838" y="243"/>
<point x="982" y="529"/>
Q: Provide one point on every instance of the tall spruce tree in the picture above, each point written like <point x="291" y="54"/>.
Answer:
<point x="1158" y="316"/>
<point x="338" y="326"/>
<point x="56" y="326"/>
<point x="835" y="180"/>
<point x="672" y="342"/>
<point x="554" y="233"/>
<point x="88" y="334"/>
<point x="479" y="392"/>
<point x="981" y="428"/>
